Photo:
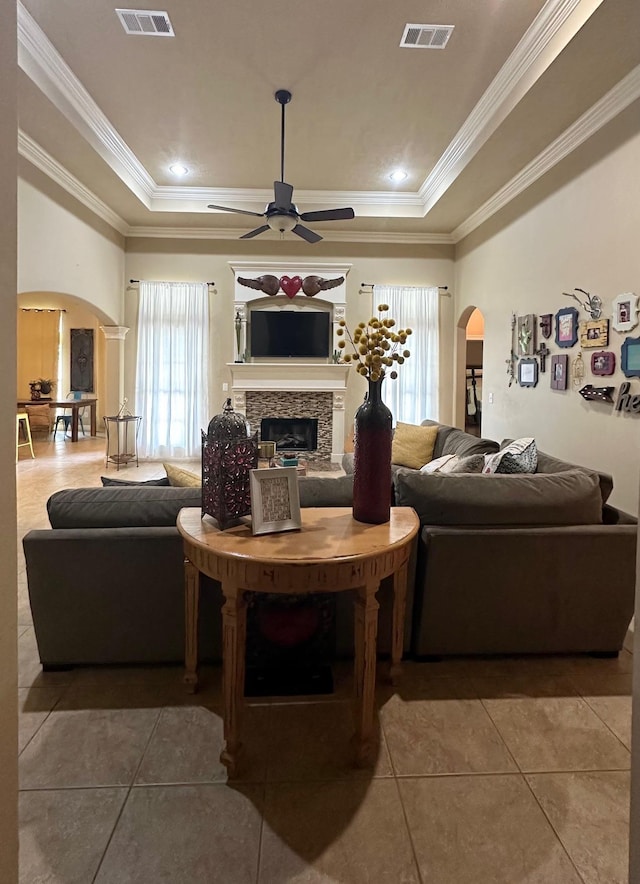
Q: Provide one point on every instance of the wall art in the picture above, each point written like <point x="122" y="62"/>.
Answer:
<point x="594" y="333"/>
<point x="567" y="327"/>
<point x="626" y="401"/>
<point x="81" y="373"/>
<point x="625" y="312"/>
<point x="526" y="334"/>
<point x="597" y="394"/>
<point x="543" y="351"/>
<point x="513" y="359"/>
<point x="559" y="372"/>
<point x="528" y="372"/>
<point x="577" y="370"/>
<point x="603" y="362"/>
<point x="630" y="357"/>
<point x="591" y="304"/>
<point x="546" y="324"/>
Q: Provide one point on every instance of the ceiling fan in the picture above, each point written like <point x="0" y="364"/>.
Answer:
<point x="281" y="214"/>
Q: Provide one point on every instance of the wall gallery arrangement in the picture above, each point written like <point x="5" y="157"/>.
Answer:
<point x="568" y="329"/>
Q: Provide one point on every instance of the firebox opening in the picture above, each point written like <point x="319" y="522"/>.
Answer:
<point x="290" y="433"/>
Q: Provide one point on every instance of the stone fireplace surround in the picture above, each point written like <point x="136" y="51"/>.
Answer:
<point x="286" y="388"/>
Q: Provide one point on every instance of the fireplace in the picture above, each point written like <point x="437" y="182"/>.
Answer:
<point x="290" y="433"/>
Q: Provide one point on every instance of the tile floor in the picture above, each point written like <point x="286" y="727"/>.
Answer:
<point x="489" y="771"/>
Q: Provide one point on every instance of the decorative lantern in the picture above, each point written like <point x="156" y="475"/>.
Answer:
<point x="228" y="456"/>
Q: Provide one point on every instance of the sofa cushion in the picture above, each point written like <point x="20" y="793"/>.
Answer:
<point x="180" y="478"/>
<point x="569" y="498"/>
<point x="461" y="443"/>
<point x="107" y="480"/>
<point x="124" y="507"/>
<point x="325" y="490"/>
<point x="443" y="432"/>
<point x="439" y="464"/>
<point x="470" y="463"/>
<point x="412" y="445"/>
<point x="520" y="456"/>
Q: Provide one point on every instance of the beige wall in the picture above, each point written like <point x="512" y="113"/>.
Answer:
<point x="64" y="248"/>
<point x="8" y="551"/>
<point x="577" y="227"/>
<point x="207" y="261"/>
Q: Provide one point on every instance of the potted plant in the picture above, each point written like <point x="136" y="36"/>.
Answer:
<point x="41" y="387"/>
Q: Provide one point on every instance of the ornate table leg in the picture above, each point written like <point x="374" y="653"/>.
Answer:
<point x="397" y="628"/>
<point x="366" y="635"/>
<point x="234" y="634"/>
<point x="191" y="604"/>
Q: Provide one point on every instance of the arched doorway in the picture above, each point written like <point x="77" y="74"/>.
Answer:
<point x="469" y="370"/>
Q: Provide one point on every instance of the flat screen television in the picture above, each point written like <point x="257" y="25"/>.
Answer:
<point x="289" y="333"/>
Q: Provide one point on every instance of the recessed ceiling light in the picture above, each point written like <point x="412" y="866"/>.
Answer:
<point x="398" y="175"/>
<point x="178" y="169"/>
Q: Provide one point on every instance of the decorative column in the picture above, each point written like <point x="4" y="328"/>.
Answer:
<point x="114" y="368"/>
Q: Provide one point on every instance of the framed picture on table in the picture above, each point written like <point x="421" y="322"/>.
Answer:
<point x="275" y="500"/>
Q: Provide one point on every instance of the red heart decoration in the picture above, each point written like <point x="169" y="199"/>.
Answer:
<point x="290" y="285"/>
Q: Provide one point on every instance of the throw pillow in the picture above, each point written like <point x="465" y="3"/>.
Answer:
<point x="181" y="478"/>
<point x="107" y="480"/>
<point x="438" y="464"/>
<point x="472" y="463"/>
<point x="520" y="456"/>
<point x="412" y="445"/>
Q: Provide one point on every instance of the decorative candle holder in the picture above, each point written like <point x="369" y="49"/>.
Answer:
<point x="228" y="456"/>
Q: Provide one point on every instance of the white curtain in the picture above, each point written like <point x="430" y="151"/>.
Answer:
<point x="413" y="396"/>
<point x="172" y="368"/>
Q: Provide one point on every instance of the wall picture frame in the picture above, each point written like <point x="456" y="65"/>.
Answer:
<point x="526" y="334"/>
<point x="603" y="363"/>
<point x="528" y="372"/>
<point x="275" y="500"/>
<point x="630" y="357"/>
<point x="625" y="312"/>
<point x="559" y="371"/>
<point x="81" y="360"/>
<point x="594" y="333"/>
<point x="567" y="327"/>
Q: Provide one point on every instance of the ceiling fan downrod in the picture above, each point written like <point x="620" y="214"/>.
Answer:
<point x="283" y="97"/>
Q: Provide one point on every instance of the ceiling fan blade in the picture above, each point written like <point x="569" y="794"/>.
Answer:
<point x="305" y="233"/>
<point x="329" y="215"/>
<point x="283" y="194"/>
<point x="255" y="232"/>
<point x="238" y="211"/>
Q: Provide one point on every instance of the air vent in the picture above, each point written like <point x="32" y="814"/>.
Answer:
<point x="145" y="22"/>
<point x="426" y="36"/>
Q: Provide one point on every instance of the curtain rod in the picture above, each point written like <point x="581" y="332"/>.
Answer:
<point x="136" y="281"/>
<point x="43" y="309"/>
<point x="370" y="285"/>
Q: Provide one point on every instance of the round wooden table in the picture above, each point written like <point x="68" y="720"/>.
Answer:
<point x="330" y="553"/>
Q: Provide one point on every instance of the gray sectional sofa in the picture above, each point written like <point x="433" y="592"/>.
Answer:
<point x="504" y="564"/>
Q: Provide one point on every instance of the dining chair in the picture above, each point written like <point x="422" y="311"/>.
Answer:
<point x="66" y="416"/>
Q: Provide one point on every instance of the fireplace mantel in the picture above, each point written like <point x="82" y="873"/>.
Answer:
<point x="285" y="376"/>
<point x="294" y="377"/>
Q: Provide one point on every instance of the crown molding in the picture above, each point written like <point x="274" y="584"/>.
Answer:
<point x="42" y="62"/>
<point x="31" y="151"/>
<point x="543" y="41"/>
<point x="603" y="111"/>
<point x="279" y="266"/>
<point x="372" y="236"/>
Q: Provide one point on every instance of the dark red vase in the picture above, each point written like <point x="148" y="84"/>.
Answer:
<point x="372" y="459"/>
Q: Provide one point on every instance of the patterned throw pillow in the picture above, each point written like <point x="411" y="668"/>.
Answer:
<point x="472" y="463"/>
<point x="520" y="456"/>
<point x="182" y="478"/>
<point x="438" y="464"/>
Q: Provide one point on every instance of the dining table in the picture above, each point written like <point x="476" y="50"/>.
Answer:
<point x="74" y="405"/>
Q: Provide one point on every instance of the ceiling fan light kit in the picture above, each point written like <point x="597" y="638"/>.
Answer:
<point x="282" y="215"/>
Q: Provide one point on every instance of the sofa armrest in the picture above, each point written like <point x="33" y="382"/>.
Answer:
<point x="524" y="590"/>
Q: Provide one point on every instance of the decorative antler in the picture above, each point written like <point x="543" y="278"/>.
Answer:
<point x="593" y="304"/>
